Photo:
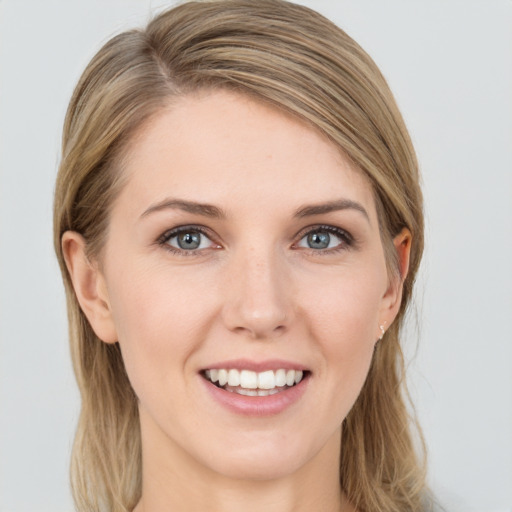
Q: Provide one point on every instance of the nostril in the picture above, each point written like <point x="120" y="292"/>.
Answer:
<point x="259" y="333"/>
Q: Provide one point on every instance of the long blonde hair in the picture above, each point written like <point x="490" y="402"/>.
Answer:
<point x="296" y="60"/>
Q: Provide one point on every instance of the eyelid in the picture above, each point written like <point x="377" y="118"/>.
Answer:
<point x="173" y="232"/>
<point x="348" y="241"/>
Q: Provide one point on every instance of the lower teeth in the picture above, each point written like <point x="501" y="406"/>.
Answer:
<point x="254" y="392"/>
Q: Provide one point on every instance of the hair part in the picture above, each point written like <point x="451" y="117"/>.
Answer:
<point x="296" y="60"/>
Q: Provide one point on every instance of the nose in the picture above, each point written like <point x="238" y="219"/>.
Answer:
<point x="258" y="295"/>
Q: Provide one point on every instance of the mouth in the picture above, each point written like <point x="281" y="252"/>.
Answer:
<point x="251" y="383"/>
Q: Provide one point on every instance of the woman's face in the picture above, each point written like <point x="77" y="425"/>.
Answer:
<point x="245" y="247"/>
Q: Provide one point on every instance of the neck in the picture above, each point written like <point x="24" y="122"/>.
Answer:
<point x="174" y="480"/>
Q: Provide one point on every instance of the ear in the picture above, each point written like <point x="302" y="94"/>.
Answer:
<point x="393" y="297"/>
<point x="89" y="285"/>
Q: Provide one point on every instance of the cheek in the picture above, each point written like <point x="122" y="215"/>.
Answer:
<point x="158" y="321"/>
<point x="343" y="318"/>
<point x="346" y="305"/>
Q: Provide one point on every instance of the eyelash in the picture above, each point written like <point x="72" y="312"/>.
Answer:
<point x="347" y="240"/>
<point x="168" y="235"/>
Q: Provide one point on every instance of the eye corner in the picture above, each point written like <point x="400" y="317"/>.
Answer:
<point x="326" y="234"/>
<point x="198" y="238"/>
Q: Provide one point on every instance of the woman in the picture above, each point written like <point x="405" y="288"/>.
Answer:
<point x="239" y="224"/>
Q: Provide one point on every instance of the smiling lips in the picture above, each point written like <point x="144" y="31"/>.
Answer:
<point x="250" y="383"/>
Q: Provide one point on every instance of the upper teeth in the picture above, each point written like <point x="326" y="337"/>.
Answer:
<point x="247" y="379"/>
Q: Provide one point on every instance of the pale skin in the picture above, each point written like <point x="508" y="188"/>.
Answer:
<point x="258" y="286"/>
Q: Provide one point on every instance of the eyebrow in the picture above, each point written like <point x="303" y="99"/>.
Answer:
<point x="207" y="210"/>
<point x="331" y="206"/>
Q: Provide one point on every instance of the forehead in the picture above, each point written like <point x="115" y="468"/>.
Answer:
<point x="217" y="147"/>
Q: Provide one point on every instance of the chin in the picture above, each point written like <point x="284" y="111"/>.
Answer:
<point x="265" y="459"/>
<point x="258" y="469"/>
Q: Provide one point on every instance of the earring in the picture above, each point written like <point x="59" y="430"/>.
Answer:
<point x="381" y="327"/>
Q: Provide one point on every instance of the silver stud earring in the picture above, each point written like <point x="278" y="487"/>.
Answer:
<point x="381" y="327"/>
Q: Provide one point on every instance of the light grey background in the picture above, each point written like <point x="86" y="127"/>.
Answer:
<point x="449" y="63"/>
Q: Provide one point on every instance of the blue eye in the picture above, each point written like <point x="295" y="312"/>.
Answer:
<point x="186" y="240"/>
<point x="318" y="240"/>
<point x="324" y="238"/>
